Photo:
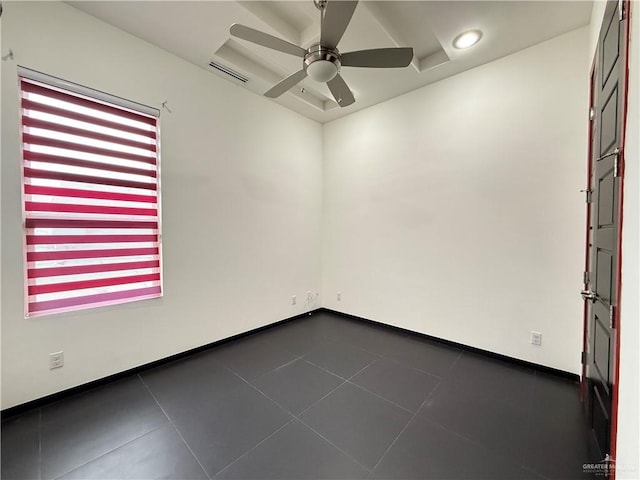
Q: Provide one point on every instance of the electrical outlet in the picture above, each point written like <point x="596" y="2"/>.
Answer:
<point x="56" y="360"/>
<point x="339" y="296"/>
<point x="293" y="300"/>
<point x="536" y="339"/>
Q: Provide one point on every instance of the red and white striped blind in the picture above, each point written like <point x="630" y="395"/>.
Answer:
<point x="90" y="201"/>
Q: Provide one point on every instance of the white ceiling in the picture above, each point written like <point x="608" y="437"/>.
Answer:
<point x="199" y="32"/>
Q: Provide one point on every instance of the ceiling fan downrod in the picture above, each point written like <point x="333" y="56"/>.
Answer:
<point x="322" y="61"/>
<point x="320" y="4"/>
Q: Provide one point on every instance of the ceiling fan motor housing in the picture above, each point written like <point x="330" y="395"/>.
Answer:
<point x="322" y="61"/>
<point x="322" y="64"/>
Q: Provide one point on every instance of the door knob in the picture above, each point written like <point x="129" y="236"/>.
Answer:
<point x="589" y="295"/>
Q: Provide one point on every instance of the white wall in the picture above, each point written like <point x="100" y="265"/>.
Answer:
<point x="241" y="198"/>
<point x="597" y="14"/>
<point x="455" y="210"/>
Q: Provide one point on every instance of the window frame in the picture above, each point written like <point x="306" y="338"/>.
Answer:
<point x="100" y="98"/>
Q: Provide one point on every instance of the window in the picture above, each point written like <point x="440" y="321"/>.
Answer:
<point x="91" y="198"/>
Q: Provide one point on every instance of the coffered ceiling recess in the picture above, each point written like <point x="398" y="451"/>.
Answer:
<point x="199" y="33"/>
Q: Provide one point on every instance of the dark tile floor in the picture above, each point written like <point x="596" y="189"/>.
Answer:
<point x="322" y="397"/>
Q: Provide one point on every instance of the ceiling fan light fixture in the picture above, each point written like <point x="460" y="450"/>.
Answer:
<point x="322" y="70"/>
<point x="322" y="61"/>
<point x="467" y="39"/>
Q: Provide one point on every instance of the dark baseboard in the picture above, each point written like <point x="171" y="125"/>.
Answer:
<point x="39" y="402"/>
<point x="534" y="366"/>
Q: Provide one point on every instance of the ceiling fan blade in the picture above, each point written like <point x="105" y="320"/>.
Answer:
<point x="337" y="16"/>
<point x="266" y="40"/>
<point x="289" y="82"/>
<point x="378" y="58"/>
<point x="340" y="91"/>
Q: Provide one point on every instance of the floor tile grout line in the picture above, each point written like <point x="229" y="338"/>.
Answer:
<point x="455" y="432"/>
<point x="341" y="341"/>
<point x="499" y="398"/>
<point x="319" y="400"/>
<point x="537" y="473"/>
<point x="398" y="360"/>
<point x="40" y="443"/>
<point x="323" y="369"/>
<point x="442" y="379"/>
<point x="318" y="342"/>
<point x="346" y="380"/>
<point x="378" y="356"/>
<point x="108" y="452"/>
<point x="446" y="427"/>
<point x="416" y="413"/>
<point x="294" y="359"/>
<point x="408" y="365"/>
<point x="405" y="427"/>
<point x="381" y="356"/>
<point x="382" y="398"/>
<point x="297" y="418"/>
<point x="233" y="372"/>
<point x="229" y="367"/>
<point x="529" y="416"/>
<point x="442" y="382"/>
<point x="174" y="427"/>
<point x="337" y="374"/>
<point x="334" y="445"/>
<point x="291" y="420"/>
<point x="281" y="407"/>
<point x="477" y="443"/>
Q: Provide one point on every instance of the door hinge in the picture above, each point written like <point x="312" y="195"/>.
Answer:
<point x="611" y="316"/>
<point x="621" y="9"/>
<point x="585" y="277"/>
<point x="592" y="114"/>
<point x="583" y="358"/>
<point x="588" y="195"/>
<point x="616" y="161"/>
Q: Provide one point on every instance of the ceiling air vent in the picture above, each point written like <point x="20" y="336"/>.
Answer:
<point x="227" y="71"/>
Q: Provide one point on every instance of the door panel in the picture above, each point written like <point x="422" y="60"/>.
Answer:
<point x="606" y="203"/>
<point x="604" y="270"/>
<point x="602" y="351"/>
<point x="609" y="125"/>
<point x="606" y="134"/>
<point x="600" y="420"/>
<point x="610" y="46"/>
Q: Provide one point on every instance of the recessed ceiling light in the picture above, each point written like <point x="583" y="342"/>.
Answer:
<point x="467" y="39"/>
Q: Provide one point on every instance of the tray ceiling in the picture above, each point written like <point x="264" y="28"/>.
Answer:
<point x="199" y="33"/>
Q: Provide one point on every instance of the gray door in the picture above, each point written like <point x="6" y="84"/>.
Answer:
<point x="608" y="84"/>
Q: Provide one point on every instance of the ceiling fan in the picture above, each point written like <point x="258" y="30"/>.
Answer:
<point x="322" y="61"/>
